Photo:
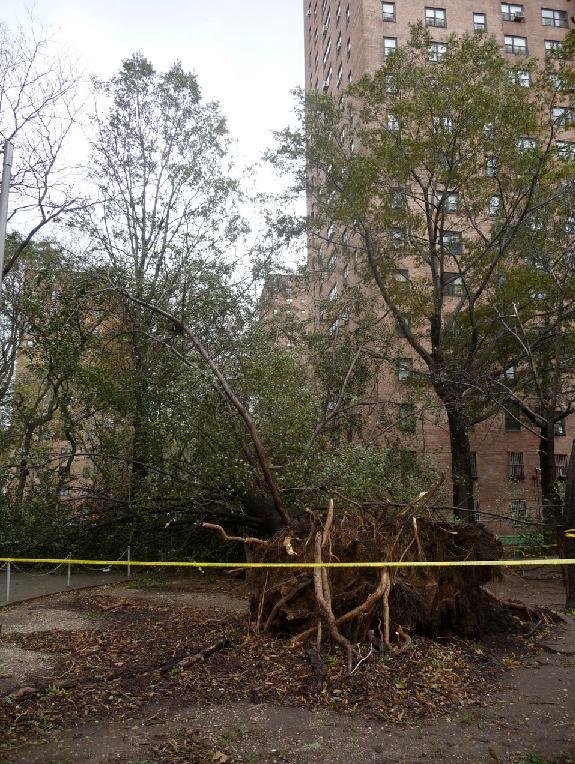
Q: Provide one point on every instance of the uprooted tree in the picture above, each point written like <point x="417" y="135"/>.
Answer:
<point x="358" y="605"/>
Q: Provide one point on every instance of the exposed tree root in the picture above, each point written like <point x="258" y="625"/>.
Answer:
<point x="355" y="607"/>
<point x="240" y="539"/>
<point x="547" y="616"/>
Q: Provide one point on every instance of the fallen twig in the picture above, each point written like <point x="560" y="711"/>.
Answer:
<point x="220" y="644"/>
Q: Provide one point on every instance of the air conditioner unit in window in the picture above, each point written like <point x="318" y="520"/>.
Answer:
<point x="308" y="14"/>
<point x="518" y="17"/>
<point x="326" y="85"/>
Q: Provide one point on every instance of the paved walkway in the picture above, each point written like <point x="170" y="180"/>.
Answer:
<point x="27" y="585"/>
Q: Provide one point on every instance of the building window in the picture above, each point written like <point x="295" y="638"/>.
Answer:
<point x="349" y="77"/>
<point x="551" y="46"/>
<point x="338" y="13"/>
<point x="437" y="51"/>
<point x="348" y="47"/>
<point x="390" y="84"/>
<point x="526" y="144"/>
<point x="389" y="45"/>
<point x="327" y="80"/>
<point x="512" y="423"/>
<point x="520" y="77"/>
<point x="494" y="206"/>
<point x="452" y="203"/>
<point x="339" y="76"/>
<point x="452" y="284"/>
<point x="562" y="116"/>
<point x="398" y="238"/>
<point x="333" y="328"/>
<point x="515" y="465"/>
<point x="388" y="10"/>
<point x="553" y="18"/>
<point x="512" y="12"/>
<point x="338" y="44"/>
<point x="401" y="327"/>
<point x="474" y="465"/>
<point x="331" y="263"/>
<point x="479" y="22"/>
<point x="407" y="418"/>
<point x="477" y="510"/>
<point x="511" y="373"/>
<point x="518" y="511"/>
<point x="345" y="274"/>
<point x="516" y="45"/>
<point x="327" y="51"/>
<point x="340" y="103"/>
<point x="392" y="122"/>
<point x="491" y="167"/>
<point x="560" y="428"/>
<point x="561" y="463"/>
<point x="453" y="242"/>
<point x="442" y="124"/>
<point x="347" y="14"/>
<point x="435" y="17"/>
<point x="397" y="200"/>
<point x="404" y="369"/>
<point x="333" y="293"/>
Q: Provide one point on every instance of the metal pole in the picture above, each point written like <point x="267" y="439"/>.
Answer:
<point x="8" y="576"/>
<point x="128" y="557"/>
<point x="4" y="193"/>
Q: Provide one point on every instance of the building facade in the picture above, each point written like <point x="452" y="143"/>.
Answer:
<point x="345" y="40"/>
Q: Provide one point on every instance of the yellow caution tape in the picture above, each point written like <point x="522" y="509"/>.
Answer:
<point x="301" y="565"/>
<point x="570" y="534"/>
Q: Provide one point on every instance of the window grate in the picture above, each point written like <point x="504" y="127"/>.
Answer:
<point x="516" y="465"/>
<point x="561" y="463"/>
<point x="518" y="511"/>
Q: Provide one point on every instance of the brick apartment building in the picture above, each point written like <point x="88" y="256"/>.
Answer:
<point x="343" y="41"/>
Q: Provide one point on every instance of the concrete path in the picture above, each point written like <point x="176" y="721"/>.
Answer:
<point x="29" y="584"/>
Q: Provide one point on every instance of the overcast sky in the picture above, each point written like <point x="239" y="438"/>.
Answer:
<point x="248" y="54"/>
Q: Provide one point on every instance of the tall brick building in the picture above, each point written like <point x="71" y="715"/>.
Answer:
<point x="343" y="41"/>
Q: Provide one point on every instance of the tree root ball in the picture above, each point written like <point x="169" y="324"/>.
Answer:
<point x="373" y="606"/>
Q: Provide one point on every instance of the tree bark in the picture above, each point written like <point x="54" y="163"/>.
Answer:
<point x="140" y="426"/>
<point x="565" y="521"/>
<point x="550" y="496"/>
<point x="461" y="472"/>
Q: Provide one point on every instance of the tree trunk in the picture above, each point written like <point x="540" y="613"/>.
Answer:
<point x="140" y="425"/>
<point x="461" y="472"/>
<point x="565" y="521"/>
<point x="550" y="496"/>
<point x="23" y="469"/>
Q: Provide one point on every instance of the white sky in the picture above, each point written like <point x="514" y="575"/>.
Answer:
<point x="248" y="54"/>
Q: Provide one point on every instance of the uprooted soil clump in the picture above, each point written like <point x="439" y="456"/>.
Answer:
<point x="366" y="605"/>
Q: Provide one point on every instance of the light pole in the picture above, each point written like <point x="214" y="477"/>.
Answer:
<point x="4" y="193"/>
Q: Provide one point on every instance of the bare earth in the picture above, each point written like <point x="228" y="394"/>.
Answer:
<point x="526" y="715"/>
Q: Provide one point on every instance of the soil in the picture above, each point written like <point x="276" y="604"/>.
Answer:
<point x="108" y="687"/>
